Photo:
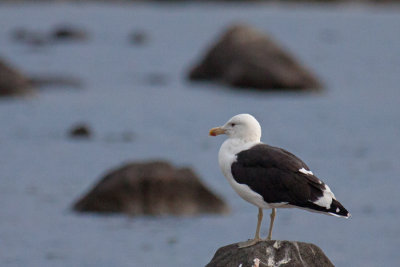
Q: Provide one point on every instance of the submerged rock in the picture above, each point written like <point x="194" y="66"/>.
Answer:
<point x="56" y="35"/>
<point x="271" y="253"/>
<point x="12" y="82"/>
<point x="138" y="37"/>
<point x="34" y="38"/>
<point x="80" y="131"/>
<point x="245" y="57"/>
<point x="65" y="32"/>
<point x="151" y="188"/>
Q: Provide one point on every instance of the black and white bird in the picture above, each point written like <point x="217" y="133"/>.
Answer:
<point x="270" y="177"/>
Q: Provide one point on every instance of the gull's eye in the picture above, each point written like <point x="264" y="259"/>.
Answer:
<point x="233" y="124"/>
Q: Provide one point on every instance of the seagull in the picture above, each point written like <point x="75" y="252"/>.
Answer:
<point x="269" y="177"/>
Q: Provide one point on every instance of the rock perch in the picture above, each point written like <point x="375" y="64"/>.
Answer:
<point x="272" y="253"/>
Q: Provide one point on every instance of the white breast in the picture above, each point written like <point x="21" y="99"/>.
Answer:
<point x="226" y="156"/>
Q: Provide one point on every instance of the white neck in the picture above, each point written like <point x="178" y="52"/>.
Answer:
<point x="229" y="149"/>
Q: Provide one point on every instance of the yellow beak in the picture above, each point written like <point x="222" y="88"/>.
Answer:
<point x="216" y="131"/>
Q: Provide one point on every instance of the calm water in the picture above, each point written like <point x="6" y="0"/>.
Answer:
<point x="348" y="135"/>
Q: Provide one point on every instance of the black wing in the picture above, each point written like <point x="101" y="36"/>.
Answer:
<point x="274" y="173"/>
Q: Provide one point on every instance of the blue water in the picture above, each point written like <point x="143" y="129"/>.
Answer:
<point x="348" y="134"/>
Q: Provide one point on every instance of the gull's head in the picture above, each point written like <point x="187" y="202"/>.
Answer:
<point x="242" y="126"/>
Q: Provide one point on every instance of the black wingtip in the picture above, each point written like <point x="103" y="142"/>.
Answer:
<point x="337" y="209"/>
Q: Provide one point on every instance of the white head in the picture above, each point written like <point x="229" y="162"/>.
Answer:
<point x="242" y="126"/>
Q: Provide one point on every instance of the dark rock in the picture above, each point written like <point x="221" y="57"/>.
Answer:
<point x="244" y="57"/>
<point x="64" y="33"/>
<point x="271" y="253"/>
<point x="80" y="131"/>
<point x="12" y="82"/>
<point x="151" y="188"/>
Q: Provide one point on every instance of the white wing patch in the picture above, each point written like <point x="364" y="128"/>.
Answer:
<point x="326" y="199"/>
<point x="307" y="172"/>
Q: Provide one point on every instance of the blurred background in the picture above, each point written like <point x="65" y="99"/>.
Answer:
<point x="121" y="72"/>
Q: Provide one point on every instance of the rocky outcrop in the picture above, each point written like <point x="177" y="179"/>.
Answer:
<point x="12" y="82"/>
<point x="245" y="57"/>
<point x="151" y="188"/>
<point x="272" y="253"/>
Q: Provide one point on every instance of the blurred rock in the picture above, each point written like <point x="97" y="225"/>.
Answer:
<point x="12" y="82"/>
<point x="271" y="253"/>
<point x="138" y="37"/>
<point x="69" y="33"/>
<point x="156" y="79"/>
<point x="151" y="188"/>
<point x="33" y="38"/>
<point x="59" y="33"/>
<point x="80" y="131"/>
<point x="244" y="57"/>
